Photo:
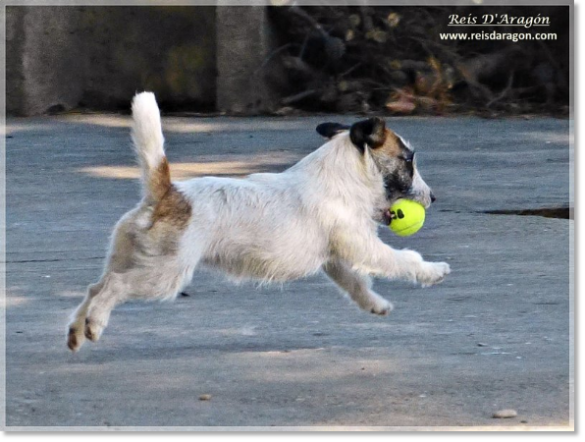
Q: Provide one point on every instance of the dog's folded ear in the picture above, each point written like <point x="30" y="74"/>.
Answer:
<point x="329" y="130"/>
<point x="370" y="132"/>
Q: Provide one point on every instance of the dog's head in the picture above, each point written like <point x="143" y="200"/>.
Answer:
<point x="392" y="155"/>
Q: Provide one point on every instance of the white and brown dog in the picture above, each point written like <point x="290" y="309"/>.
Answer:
<point x="321" y="214"/>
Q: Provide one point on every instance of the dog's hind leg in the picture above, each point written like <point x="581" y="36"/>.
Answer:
<point x="149" y="283"/>
<point x="358" y="287"/>
<point x="113" y="292"/>
<point x="76" y="331"/>
<point x="92" y="315"/>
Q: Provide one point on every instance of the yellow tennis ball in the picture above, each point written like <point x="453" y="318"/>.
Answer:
<point x="407" y="217"/>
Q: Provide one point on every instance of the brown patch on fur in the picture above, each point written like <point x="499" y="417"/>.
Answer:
<point x="170" y="213"/>
<point x="391" y="145"/>
<point x="170" y="206"/>
<point x="173" y="208"/>
<point x="159" y="181"/>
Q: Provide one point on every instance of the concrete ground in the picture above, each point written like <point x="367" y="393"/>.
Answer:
<point x="494" y="335"/>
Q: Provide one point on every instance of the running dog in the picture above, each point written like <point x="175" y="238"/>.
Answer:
<point x="321" y="214"/>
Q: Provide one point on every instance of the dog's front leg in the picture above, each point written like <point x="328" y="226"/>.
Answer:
<point x="375" y="257"/>
<point x="358" y="287"/>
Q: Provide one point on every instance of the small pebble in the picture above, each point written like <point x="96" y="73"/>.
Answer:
<point x="205" y="397"/>
<point x="505" y="414"/>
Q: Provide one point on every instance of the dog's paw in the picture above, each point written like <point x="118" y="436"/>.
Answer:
<point x="432" y="273"/>
<point x="93" y="329"/>
<point x="380" y="306"/>
<point x="75" y="337"/>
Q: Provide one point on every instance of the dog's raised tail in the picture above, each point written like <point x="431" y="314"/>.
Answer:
<point x="149" y="146"/>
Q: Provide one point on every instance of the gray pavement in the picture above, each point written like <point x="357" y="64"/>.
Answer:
<point x="494" y="335"/>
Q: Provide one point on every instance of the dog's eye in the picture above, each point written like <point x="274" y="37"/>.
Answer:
<point x="410" y="158"/>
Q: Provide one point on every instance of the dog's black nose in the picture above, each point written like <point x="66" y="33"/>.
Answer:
<point x="433" y="198"/>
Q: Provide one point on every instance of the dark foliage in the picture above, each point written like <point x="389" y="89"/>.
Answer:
<point x="391" y="59"/>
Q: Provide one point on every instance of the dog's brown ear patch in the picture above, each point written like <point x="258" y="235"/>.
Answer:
<point x="329" y="130"/>
<point x="371" y="132"/>
<point x="393" y="145"/>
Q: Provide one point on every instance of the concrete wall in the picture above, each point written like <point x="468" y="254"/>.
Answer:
<point x="169" y="50"/>
<point x="59" y="58"/>
<point x="14" y="70"/>
<point x="41" y="54"/>
<point x="244" y="83"/>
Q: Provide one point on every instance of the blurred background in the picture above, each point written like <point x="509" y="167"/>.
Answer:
<point x="285" y="59"/>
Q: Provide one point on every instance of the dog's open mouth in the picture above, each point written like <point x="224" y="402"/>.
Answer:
<point x="386" y="217"/>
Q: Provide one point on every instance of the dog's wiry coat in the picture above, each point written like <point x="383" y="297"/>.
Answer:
<point x="321" y="214"/>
